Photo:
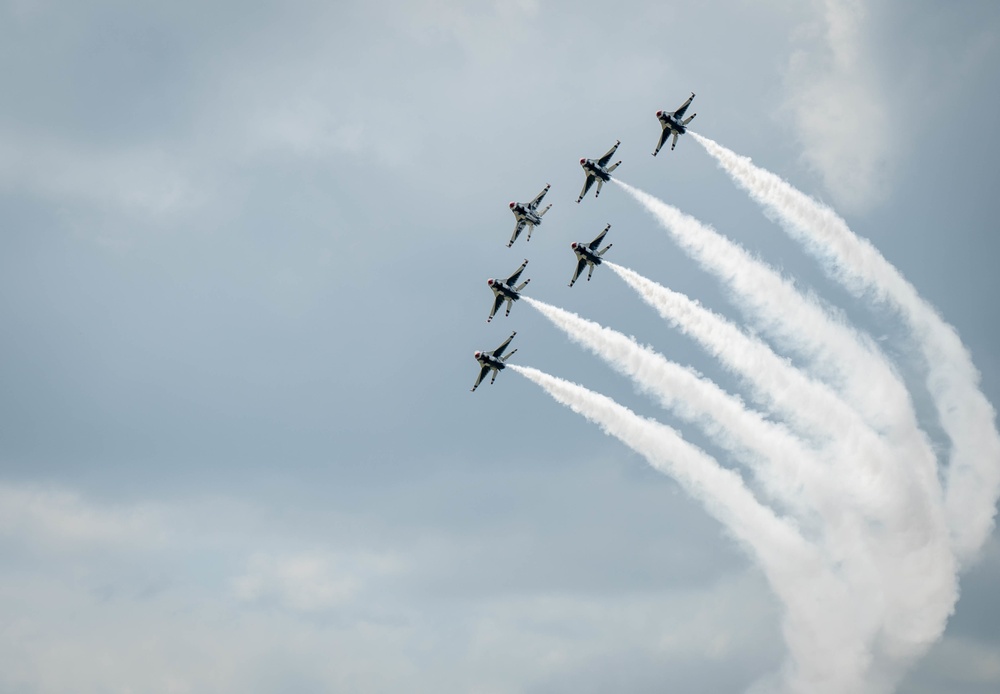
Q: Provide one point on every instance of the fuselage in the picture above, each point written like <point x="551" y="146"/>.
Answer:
<point x="525" y="213"/>
<point x="668" y="120"/>
<point x="594" y="169"/>
<point x="501" y="288"/>
<point x="584" y="252"/>
<point x="487" y="359"/>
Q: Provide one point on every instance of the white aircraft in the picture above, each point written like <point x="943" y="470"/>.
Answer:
<point x="493" y="361"/>
<point x="673" y="122"/>
<point x="504" y="290"/>
<point x="598" y="171"/>
<point x="526" y="215"/>
<point x="587" y="254"/>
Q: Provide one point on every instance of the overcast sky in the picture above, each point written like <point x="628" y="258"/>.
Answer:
<point x="243" y="261"/>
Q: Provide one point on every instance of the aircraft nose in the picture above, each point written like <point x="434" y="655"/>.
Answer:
<point x="573" y="245"/>
<point x="659" y="113"/>
<point x="476" y="355"/>
<point x="583" y="161"/>
<point x="511" y="205"/>
<point x="490" y="281"/>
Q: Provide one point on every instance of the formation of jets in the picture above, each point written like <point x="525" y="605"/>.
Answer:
<point x="527" y="215"/>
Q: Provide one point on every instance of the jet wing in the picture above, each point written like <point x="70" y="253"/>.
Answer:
<point x="603" y="161"/>
<point x="600" y="237"/>
<point x="482" y="374"/>
<point x="538" y="198"/>
<point x="580" y="264"/>
<point x="512" y="280"/>
<point x="496" y="305"/>
<point x="518" y="228"/>
<point x="679" y="113"/>
<point x="499" y="350"/>
<point x="663" y="138"/>
<point x="586" y="186"/>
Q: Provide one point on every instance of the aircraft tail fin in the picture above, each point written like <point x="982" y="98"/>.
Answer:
<point x="521" y="286"/>
<point x="605" y="249"/>
<point x="614" y="166"/>
<point x="542" y="213"/>
<point x="597" y="193"/>
<point x="674" y="143"/>
<point x="504" y="359"/>
<point x="689" y="119"/>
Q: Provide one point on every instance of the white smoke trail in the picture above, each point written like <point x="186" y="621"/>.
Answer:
<point x="973" y="476"/>
<point x="829" y="628"/>
<point x="811" y="406"/>
<point x="868" y="380"/>
<point x="789" y="472"/>
<point x="837" y="351"/>
<point x="916" y="537"/>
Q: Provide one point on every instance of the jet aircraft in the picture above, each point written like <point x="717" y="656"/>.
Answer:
<point x="587" y="254"/>
<point x="673" y="122"/>
<point x="598" y="171"/>
<point x="526" y="215"/>
<point x="493" y="360"/>
<point x="506" y="291"/>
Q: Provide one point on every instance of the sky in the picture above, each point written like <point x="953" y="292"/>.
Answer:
<point x="243" y="262"/>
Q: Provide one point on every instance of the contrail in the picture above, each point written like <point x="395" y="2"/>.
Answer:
<point x="916" y="611"/>
<point x="784" y="466"/>
<point x="811" y="406"/>
<point x="829" y="628"/>
<point x="856" y="453"/>
<point x="837" y="351"/>
<point x="973" y="475"/>
<point x="868" y="381"/>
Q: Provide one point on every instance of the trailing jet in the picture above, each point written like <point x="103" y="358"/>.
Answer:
<point x="527" y="215"/>
<point x="673" y="122"/>
<point x="493" y="360"/>
<point x="598" y="171"/>
<point x="506" y="291"/>
<point x="587" y="254"/>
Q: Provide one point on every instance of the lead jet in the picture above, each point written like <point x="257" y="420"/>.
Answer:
<point x="587" y="254"/>
<point x="526" y="215"/>
<point x="493" y="360"/>
<point x="506" y="291"/>
<point x="673" y="122"/>
<point x="598" y="171"/>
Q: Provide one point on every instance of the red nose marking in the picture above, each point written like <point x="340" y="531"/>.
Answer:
<point x="477" y="355"/>
<point x="659" y="113"/>
<point x="490" y="281"/>
<point x="511" y="206"/>
<point x="573" y="245"/>
<point x="582" y="160"/>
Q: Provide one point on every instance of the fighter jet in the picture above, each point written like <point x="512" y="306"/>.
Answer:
<point x="673" y="122"/>
<point x="598" y="171"/>
<point x="506" y="291"/>
<point x="526" y="215"/>
<point x="493" y="360"/>
<point x="587" y="254"/>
